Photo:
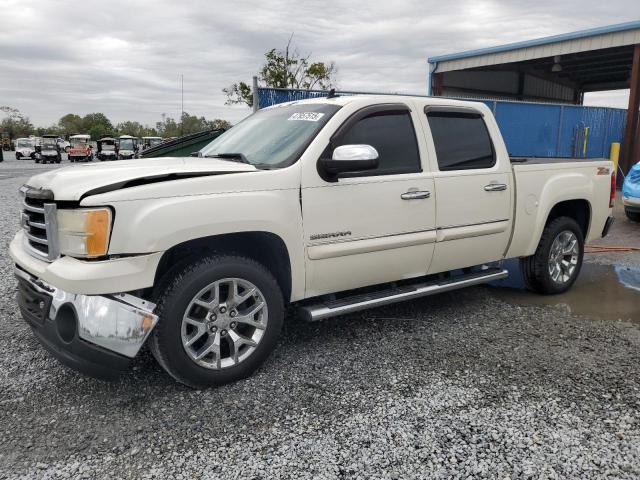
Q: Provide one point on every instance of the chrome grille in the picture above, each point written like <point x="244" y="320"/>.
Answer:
<point x="39" y="222"/>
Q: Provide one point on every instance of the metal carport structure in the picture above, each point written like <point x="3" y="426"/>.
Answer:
<point x="557" y="69"/>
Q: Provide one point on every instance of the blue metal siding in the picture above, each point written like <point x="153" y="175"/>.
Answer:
<point x="528" y="129"/>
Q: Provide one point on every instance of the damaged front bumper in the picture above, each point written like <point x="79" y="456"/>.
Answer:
<point x="95" y="334"/>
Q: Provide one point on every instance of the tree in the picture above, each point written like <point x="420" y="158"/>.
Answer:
<point x="135" y="129"/>
<point x="17" y="127"/>
<point x="168" y="127"/>
<point x="217" y="123"/>
<point x="11" y="112"/>
<point x="70" y="124"/>
<point x="97" y="124"/>
<point x="285" y="69"/>
<point x="15" y="124"/>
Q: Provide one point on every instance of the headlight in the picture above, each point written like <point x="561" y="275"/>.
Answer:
<point x="84" y="232"/>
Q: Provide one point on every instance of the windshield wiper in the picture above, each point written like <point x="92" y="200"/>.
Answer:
<point x="234" y="157"/>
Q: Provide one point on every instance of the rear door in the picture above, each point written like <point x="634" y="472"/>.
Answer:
<point x="473" y="186"/>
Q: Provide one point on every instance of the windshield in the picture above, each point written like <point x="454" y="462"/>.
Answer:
<point x="107" y="146"/>
<point x="49" y="142"/>
<point x="274" y="137"/>
<point x="155" y="141"/>
<point x="24" y="142"/>
<point x="126" y="144"/>
<point x="79" y="142"/>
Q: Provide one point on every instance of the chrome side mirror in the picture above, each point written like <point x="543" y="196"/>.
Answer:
<point x="351" y="158"/>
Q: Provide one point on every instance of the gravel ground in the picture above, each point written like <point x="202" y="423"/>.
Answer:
<point x="461" y="385"/>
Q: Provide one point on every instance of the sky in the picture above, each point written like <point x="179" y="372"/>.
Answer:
<point x="126" y="58"/>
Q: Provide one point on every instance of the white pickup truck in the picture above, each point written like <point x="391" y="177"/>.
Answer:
<point x="331" y="205"/>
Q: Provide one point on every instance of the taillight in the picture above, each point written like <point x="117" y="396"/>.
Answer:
<point x="612" y="193"/>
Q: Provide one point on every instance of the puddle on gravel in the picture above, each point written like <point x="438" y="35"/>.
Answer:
<point x="608" y="292"/>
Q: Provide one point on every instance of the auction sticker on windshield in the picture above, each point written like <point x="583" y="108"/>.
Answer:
<point x="306" y="116"/>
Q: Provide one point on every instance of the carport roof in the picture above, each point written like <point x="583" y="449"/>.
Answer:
<point x="596" y="59"/>
<point x="545" y="41"/>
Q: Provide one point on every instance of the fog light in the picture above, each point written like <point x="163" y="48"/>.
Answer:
<point x="67" y="323"/>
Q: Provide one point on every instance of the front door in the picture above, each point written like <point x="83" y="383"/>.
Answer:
<point x="375" y="226"/>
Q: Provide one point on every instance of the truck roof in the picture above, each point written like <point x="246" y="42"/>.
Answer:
<point x="390" y="98"/>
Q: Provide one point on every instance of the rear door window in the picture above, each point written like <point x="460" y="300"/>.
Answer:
<point x="462" y="140"/>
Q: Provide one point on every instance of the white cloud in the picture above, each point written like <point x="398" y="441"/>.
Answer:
<point x="125" y="58"/>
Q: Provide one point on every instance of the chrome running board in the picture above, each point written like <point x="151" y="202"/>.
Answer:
<point x="331" y="308"/>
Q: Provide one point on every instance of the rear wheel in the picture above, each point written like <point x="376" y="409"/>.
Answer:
<point x="558" y="259"/>
<point x="633" y="216"/>
<point x="219" y="318"/>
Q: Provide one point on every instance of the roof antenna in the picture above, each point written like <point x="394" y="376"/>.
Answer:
<point x="332" y="93"/>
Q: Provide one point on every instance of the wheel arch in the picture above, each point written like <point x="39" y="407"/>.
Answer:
<point x="530" y="232"/>
<point x="265" y="248"/>
<point x="578" y="209"/>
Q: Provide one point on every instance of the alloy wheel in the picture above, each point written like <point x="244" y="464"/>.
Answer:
<point x="224" y="323"/>
<point x="563" y="257"/>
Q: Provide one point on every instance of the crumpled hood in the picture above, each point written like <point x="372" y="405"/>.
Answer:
<point x="74" y="182"/>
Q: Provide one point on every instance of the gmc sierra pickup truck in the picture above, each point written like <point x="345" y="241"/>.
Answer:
<point x="329" y="205"/>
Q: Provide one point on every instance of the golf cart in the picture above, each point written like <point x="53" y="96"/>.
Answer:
<point x="48" y="150"/>
<point x="127" y="147"/>
<point x="148" y="142"/>
<point x="6" y="142"/>
<point x="64" y="145"/>
<point x="25" y="148"/>
<point x="107" y="149"/>
<point x="81" y="150"/>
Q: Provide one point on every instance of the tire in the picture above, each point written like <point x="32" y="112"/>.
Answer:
<point x="175" y="297"/>
<point x="537" y="268"/>
<point x="633" y="216"/>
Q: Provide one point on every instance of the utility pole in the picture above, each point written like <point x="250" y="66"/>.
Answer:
<point x="181" y="104"/>
<point x="256" y="99"/>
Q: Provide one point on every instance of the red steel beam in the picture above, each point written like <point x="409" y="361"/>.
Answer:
<point x="631" y="140"/>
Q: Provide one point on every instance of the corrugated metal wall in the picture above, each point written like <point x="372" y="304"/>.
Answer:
<point x="528" y="129"/>
<point x="549" y="130"/>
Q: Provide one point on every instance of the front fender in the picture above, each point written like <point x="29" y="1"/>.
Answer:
<point x="156" y="225"/>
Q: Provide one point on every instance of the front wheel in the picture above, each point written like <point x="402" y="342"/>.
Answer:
<point x="219" y="319"/>
<point x="558" y="259"/>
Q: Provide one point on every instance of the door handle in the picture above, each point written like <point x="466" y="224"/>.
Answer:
<point x="415" y="195"/>
<point x="495" y="187"/>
